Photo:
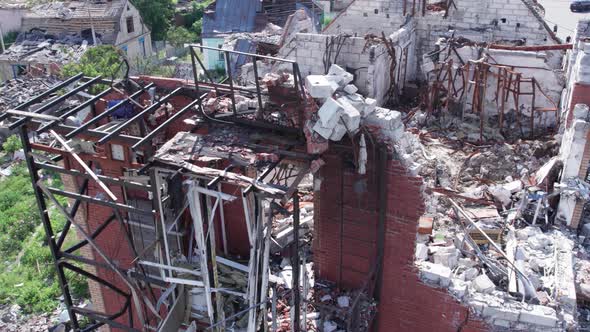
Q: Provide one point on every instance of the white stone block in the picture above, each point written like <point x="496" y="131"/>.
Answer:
<point x="351" y="117"/>
<point x="338" y="132"/>
<point x="539" y="315"/>
<point x="458" y="288"/>
<point x="350" y="89"/>
<point x="330" y="326"/>
<point x="448" y="259"/>
<point x="330" y="112"/>
<point x="503" y="313"/>
<point x="436" y="273"/>
<point x="322" y="131"/>
<point x="339" y="75"/>
<point x="483" y="284"/>
<point x="421" y="252"/>
<point x="318" y="86"/>
<point x="343" y="301"/>
<point x="370" y="105"/>
<point x="469" y="274"/>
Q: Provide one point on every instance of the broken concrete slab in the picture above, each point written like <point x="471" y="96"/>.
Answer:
<point x="448" y="258"/>
<point x="330" y="112"/>
<point x="502" y="313"/>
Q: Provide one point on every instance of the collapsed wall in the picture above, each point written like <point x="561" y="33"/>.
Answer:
<point x="490" y="21"/>
<point x="347" y="228"/>
<point x="380" y="67"/>
<point x="514" y="91"/>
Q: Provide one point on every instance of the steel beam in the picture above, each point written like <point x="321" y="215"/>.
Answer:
<point x="75" y="110"/>
<point x="44" y="94"/>
<point x="89" y="199"/>
<point x="96" y="119"/>
<point x="54" y="102"/>
<point x="73" y="212"/>
<point x="296" y="326"/>
<point x="106" y="179"/>
<point x="93" y="236"/>
<point x="46" y="221"/>
<point x="137" y="116"/>
<point x="166" y="123"/>
<point x="243" y="53"/>
<point x="82" y="163"/>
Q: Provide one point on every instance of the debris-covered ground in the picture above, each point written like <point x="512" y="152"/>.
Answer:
<point x="489" y="236"/>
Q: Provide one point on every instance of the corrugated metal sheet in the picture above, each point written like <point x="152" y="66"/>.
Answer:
<point x="231" y="16"/>
<point x="237" y="60"/>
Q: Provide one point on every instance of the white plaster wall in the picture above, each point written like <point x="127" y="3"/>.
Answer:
<point x="368" y="16"/>
<point x="370" y="63"/>
<point x="132" y="40"/>
<point x="479" y="20"/>
<point x="11" y="19"/>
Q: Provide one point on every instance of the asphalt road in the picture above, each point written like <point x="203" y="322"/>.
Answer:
<point x="557" y="12"/>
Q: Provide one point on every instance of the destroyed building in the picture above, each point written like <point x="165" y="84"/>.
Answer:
<point x="56" y="33"/>
<point x="288" y="199"/>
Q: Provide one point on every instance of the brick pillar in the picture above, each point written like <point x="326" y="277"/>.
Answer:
<point x="96" y="297"/>
<point x="345" y="246"/>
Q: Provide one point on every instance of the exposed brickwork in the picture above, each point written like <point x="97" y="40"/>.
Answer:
<point x="580" y="94"/>
<point x="345" y="248"/>
<point x="584" y="164"/>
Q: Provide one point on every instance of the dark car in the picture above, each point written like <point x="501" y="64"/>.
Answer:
<point x="580" y="6"/>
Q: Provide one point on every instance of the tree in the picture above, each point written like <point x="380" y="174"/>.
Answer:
<point x="12" y="144"/>
<point x="105" y="60"/>
<point x="178" y="36"/>
<point x="157" y="14"/>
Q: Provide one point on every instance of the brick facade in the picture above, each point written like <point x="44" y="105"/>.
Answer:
<point x="345" y="247"/>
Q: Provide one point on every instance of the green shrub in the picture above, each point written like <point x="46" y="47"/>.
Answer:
<point x="12" y="144"/>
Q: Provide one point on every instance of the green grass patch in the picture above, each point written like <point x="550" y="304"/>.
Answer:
<point x="28" y="276"/>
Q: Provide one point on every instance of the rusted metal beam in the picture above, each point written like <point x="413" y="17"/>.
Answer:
<point x="536" y="48"/>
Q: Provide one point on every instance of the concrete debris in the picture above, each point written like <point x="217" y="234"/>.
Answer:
<point x="435" y="273"/>
<point x="17" y="91"/>
<point x="36" y="47"/>
<point x="343" y="111"/>
<point x="343" y="301"/>
<point x="330" y="326"/>
<point x="421" y="252"/>
<point x="483" y="284"/>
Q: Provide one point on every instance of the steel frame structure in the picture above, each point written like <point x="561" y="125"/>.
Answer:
<point x="138" y="298"/>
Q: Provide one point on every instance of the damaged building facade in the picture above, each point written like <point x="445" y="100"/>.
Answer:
<point x="294" y="200"/>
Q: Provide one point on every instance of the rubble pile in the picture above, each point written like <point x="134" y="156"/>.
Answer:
<point x="38" y="47"/>
<point x="458" y="165"/>
<point x="12" y="319"/>
<point x="499" y="253"/>
<point x="336" y="306"/>
<point x="19" y="90"/>
<point x="270" y="35"/>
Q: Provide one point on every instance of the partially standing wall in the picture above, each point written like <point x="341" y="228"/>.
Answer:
<point x="375" y="74"/>
<point x="347" y="229"/>
<point x="488" y="20"/>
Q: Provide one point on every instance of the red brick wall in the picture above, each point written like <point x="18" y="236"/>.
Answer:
<point x="580" y="95"/>
<point x="344" y="247"/>
<point x="112" y="241"/>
